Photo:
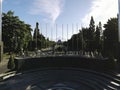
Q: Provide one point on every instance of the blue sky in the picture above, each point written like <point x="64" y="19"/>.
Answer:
<point x="75" y="13"/>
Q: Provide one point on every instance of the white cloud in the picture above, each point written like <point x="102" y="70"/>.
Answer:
<point x="101" y="10"/>
<point x="1" y="5"/>
<point x="50" y="9"/>
<point x="1" y="1"/>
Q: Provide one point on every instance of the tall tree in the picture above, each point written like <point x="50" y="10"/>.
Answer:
<point x="39" y="40"/>
<point x="91" y="28"/>
<point x="97" y="38"/>
<point x="75" y="43"/>
<point x="98" y="35"/>
<point x="91" y="35"/>
<point x="111" y="37"/>
<point x="100" y="28"/>
<point x="15" y="33"/>
<point x="85" y="37"/>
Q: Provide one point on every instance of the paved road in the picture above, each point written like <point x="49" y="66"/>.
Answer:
<point x="62" y="79"/>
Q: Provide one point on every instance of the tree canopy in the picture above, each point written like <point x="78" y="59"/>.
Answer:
<point x="94" y="38"/>
<point x="111" y="37"/>
<point x="16" y="34"/>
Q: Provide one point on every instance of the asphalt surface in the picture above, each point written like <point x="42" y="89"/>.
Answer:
<point x="61" y="79"/>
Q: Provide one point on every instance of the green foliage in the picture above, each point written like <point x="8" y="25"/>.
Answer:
<point x="11" y="64"/>
<point x="91" y="28"/>
<point x="85" y="39"/>
<point x="40" y="41"/>
<point x="15" y="33"/>
<point x="75" y="43"/>
<point x="111" y="37"/>
<point x="92" y="39"/>
<point x="98" y="40"/>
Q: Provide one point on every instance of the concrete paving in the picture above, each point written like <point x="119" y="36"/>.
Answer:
<point x="3" y="65"/>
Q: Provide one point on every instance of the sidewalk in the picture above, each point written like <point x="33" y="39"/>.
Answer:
<point x="3" y="65"/>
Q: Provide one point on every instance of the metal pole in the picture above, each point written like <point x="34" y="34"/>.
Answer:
<point x="82" y="42"/>
<point x="56" y="33"/>
<point x="46" y="35"/>
<point x="41" y="36"/>
<point x="51" y="34"/>
<point x="67" y="37"/>
<point x="62" y="32"/>
<point x="62" y="37"/>
<point x="72" y="37"/>
<point x="77" y="35"/>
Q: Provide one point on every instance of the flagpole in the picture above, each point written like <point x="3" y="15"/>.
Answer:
<point x="82" y="38"/>
<point x="62" y="37"/>
<point x="41" y="36"/>
<point x="62" y="32"/>
<point x="67" y="37"/>
<point x="51" y="33"/>
<point x="46" y="35"/>
<point x="72" y="37"/>
<point x="56" y="33"/>
<point x="77" y="35"/>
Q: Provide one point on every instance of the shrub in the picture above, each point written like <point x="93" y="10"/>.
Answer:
<point x="11" y="64"/>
